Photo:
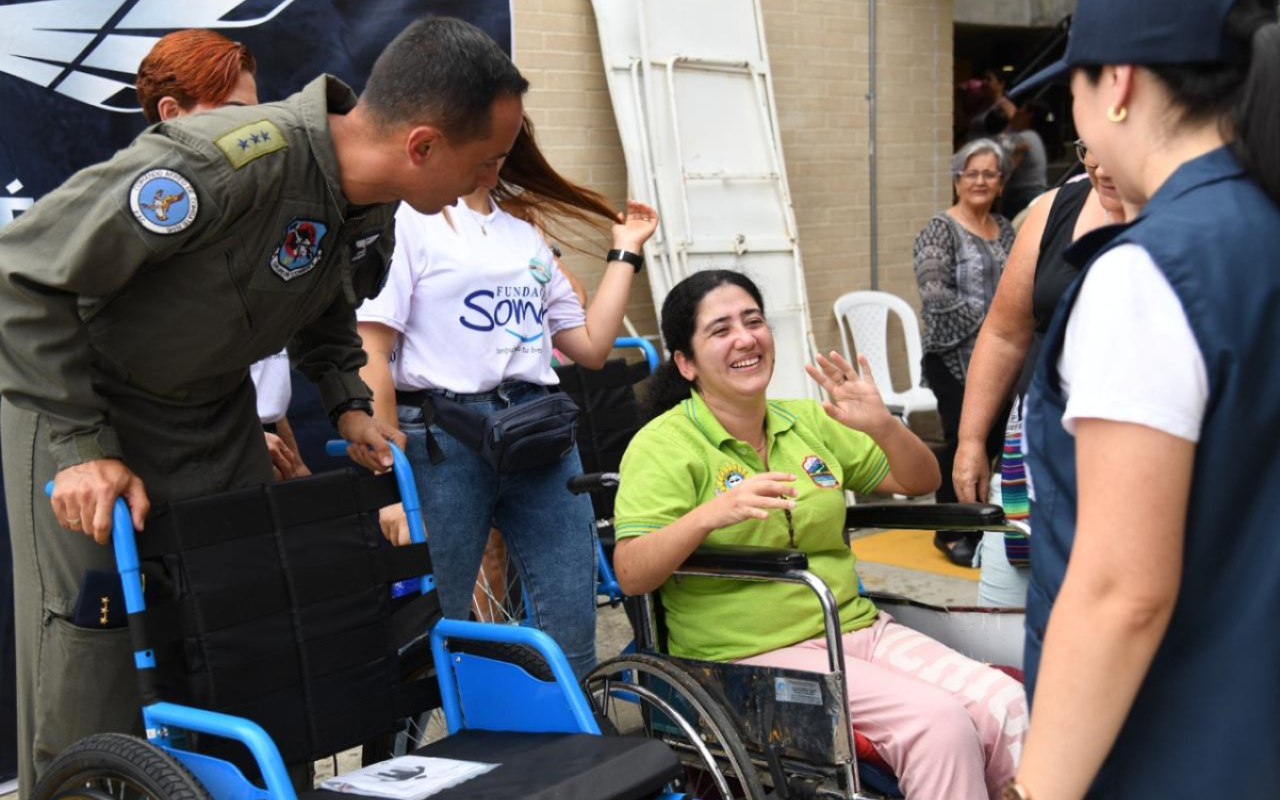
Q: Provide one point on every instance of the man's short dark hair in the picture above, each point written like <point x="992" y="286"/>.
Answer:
<point x="444" y="72"/>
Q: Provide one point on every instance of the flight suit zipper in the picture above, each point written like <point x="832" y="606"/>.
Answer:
<point x="791" y="528"/>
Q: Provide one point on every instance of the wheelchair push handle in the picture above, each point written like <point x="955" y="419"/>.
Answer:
<point x="404" y="481"/>
<point x="592" y="482"/>
<point x="644" y="345"/>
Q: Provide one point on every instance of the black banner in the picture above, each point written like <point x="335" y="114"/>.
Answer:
<point x="66" y="80"/>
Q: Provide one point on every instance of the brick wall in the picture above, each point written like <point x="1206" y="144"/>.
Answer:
<point x="818" y="51"/>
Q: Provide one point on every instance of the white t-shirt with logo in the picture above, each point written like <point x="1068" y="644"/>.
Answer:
<point x="476" y="302"/>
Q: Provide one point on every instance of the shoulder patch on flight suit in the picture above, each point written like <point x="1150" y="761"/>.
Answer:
<point x="163" y="201"/>
<point x="251" y="141"/>
<point x="299" y="250"/>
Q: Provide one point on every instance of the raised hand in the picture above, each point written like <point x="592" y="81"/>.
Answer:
<point x="855" y="399"/>
<point x="635" y="227"/>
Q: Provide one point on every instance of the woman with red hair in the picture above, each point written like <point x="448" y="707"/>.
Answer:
<point x="192" y="71"/>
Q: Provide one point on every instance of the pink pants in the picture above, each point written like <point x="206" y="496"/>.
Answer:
<point x="950" y="727"/>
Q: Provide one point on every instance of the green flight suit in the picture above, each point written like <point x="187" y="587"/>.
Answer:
<point x="132" y="301"/>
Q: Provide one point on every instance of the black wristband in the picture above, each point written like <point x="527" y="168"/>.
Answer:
<point x="353" y="404"/>
<point x="634" y="259"/>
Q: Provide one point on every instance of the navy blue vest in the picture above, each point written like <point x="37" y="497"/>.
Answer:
<point x="1206" y="721"/>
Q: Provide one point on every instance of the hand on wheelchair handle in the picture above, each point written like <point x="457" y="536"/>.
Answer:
<point x="970" y="473"/>
<point x="395" y="525"/>
<point x="752" y="499"/>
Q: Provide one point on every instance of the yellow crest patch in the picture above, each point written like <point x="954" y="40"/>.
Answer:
<point x="730" y="475"/>
<point x="251" y="141"/>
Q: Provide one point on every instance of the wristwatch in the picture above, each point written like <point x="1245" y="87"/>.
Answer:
<point x="353" y="404"/>
<point x="634" y="259"/>
<point x="1014" y="791"/>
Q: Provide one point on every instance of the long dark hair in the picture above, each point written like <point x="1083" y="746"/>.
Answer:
<point x="668" y="387"/>
<point x="1242" y="91"/>
<point x="530" y="188"/>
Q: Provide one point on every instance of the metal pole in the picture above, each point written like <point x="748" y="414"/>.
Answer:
<point x="871" y="142"/>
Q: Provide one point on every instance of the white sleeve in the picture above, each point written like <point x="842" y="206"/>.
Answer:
<point x="391" y="305"/>
<point x="273" y="386"/>
<point x="1129" y="354"/>
<point x="564" y="309"/>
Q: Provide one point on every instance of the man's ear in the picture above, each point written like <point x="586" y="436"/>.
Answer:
<point x="685" y="365"/>
<point x="168" y="108"/>
<point x="420" y="142"/>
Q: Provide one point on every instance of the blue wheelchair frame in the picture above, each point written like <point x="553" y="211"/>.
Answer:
<point x="481" y="686"/>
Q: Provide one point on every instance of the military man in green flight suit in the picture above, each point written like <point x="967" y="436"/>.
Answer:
<point x="134" y="298"/>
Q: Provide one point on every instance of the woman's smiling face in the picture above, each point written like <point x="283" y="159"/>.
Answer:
<point x="732" y="346"/>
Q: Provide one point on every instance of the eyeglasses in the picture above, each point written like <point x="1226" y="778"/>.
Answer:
<point x="1082" y="152"/>
<point x="987" y="175"/>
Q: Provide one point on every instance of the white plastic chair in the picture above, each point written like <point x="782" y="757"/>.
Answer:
<point x="866" y="315"/>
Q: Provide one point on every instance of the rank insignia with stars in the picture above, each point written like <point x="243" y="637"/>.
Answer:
<point x="162" y="201"/>
<point x="251" y="141"/>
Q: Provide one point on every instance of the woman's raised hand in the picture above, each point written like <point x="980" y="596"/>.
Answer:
<point x="752" y="499"/>
<point x="855" y="400"/>
<point x="635" y="227"/>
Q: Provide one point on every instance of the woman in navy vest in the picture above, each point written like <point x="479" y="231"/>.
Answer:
<point x="1152" y="422"/>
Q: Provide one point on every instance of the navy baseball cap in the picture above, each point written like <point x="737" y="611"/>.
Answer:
<point x="1140" y="32"/>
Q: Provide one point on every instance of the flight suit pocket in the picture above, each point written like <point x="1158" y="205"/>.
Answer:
<point x="86" y="683"/>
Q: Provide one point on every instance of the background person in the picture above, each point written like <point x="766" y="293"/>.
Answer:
<point x="474" y="302"/>
<point x="723" y="464"/>
<point x="131" y="369"/>
<point x="1029" y="176"/>
<point x="1150" y="422"/>
<point x="191" y="71"/>
<point x="1008" y="346"/>
<point x="959" y="257"/>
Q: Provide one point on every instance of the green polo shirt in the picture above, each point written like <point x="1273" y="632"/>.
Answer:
<point x="685" y="457"/>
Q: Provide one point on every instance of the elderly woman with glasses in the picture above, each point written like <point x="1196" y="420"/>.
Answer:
<point x="959" y="257"/>
<point x="1035" y="278"/>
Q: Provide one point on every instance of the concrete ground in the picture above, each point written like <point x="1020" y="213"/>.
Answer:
<point x="613" y="632"/>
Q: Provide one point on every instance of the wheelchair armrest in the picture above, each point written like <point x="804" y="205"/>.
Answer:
<point x="741" y="557"/>
<point x="930" y="517"/>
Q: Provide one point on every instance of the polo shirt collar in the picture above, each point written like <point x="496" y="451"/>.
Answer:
<point x="777" y="419"/>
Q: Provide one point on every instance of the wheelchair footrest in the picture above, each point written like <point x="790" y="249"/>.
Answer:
<point x="541" y="766"/>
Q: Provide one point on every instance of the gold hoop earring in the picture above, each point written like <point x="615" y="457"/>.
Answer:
<point x="1117" y="114"/>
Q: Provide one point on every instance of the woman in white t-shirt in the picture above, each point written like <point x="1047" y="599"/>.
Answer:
<point x="473" y="304"/>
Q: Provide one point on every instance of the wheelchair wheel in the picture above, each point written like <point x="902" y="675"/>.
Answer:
<point x="114" y="766"/>
<point x="498" y="595"/>
<point x="643" y="695"/>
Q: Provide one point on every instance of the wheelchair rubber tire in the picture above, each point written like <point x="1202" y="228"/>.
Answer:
<point x="135" y="767"/>
<point x="714" y="719"/>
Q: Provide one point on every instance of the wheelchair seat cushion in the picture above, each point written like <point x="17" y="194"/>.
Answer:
<point x="541" y="766"/>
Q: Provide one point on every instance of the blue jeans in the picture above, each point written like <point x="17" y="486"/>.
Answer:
<point x="1001" y="584"/>
<point x="549" y="533"/>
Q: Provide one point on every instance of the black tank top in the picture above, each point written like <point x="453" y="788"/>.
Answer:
<point x="1053" y="272"/>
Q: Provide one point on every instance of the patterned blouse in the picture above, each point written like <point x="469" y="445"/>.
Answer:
<point x="957" y="272"/>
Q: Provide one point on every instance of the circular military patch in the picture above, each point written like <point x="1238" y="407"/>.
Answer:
<point x="163" y="201"/>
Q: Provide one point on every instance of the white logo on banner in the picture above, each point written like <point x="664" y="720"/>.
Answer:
<point x="52" y="43"/>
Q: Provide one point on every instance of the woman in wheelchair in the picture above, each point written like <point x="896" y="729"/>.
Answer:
<point x="720" y="463"/>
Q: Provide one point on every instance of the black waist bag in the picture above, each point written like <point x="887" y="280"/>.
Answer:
<point x="522" y="437"/>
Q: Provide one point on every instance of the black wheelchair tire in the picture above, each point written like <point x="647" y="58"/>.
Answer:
<point x="719" y="727"/>
<point x="125" y="766"/>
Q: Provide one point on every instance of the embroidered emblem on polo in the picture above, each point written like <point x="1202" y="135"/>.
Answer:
<point x="541" y="272"/>
<point x="730" y="476"/>
<point x="299" y="250"/>
<point x="163" y="201"/>
<point x="817" y="470"/>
